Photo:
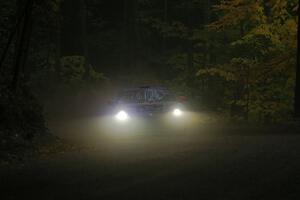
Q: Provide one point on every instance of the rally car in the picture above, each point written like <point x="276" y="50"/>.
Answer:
<point x="147" y="101"/>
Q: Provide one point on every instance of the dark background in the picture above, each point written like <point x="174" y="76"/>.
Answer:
<point x="235" y="58"/>
<point x="236" y="62"/>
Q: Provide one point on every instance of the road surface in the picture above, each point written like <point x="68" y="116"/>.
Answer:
<point x="198" y="164"/>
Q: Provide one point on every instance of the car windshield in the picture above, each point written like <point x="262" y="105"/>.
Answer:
<point x="145" y="95"/>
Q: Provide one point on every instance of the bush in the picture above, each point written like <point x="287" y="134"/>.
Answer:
<point x="21" y="116"/>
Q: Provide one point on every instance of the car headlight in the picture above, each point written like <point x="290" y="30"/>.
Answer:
<point x="122" y="116"/>
<point x="177" y="112"/>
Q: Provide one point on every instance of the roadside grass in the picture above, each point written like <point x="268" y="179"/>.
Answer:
<point x="15" y="150"/>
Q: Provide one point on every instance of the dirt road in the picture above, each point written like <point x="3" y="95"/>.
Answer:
<point x="185" y="165"/>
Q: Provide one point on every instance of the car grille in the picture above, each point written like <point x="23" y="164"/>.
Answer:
<point x="151" y="108"/>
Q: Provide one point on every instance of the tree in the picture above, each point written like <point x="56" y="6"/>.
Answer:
<point x="297" y="88"/>
<point x="268" y="45"/>
<point x="73" y="28"/>
<point x="130" y="34"/>
<point x="22" y="40"/>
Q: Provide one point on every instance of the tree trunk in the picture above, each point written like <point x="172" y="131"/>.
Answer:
<point x="297" y="88"/>
<point x="123" y="37"/>
<point x="128" y="54"/>
<point x="164" y="45"/>
<point x="247" y="93"/>
<point x="189" y="44"/>
<point x="57" y="38"/>
<point x="9" y="42"/>
<point x="73" y="28"/>
<point x="136" y="39"/>
<point x="22" y="42"/>
<point x="267" y="10"/>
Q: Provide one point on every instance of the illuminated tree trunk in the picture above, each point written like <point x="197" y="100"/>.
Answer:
<point x="238" y="110"/>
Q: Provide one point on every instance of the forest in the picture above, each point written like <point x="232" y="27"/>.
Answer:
<point x="237" y="58"/>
